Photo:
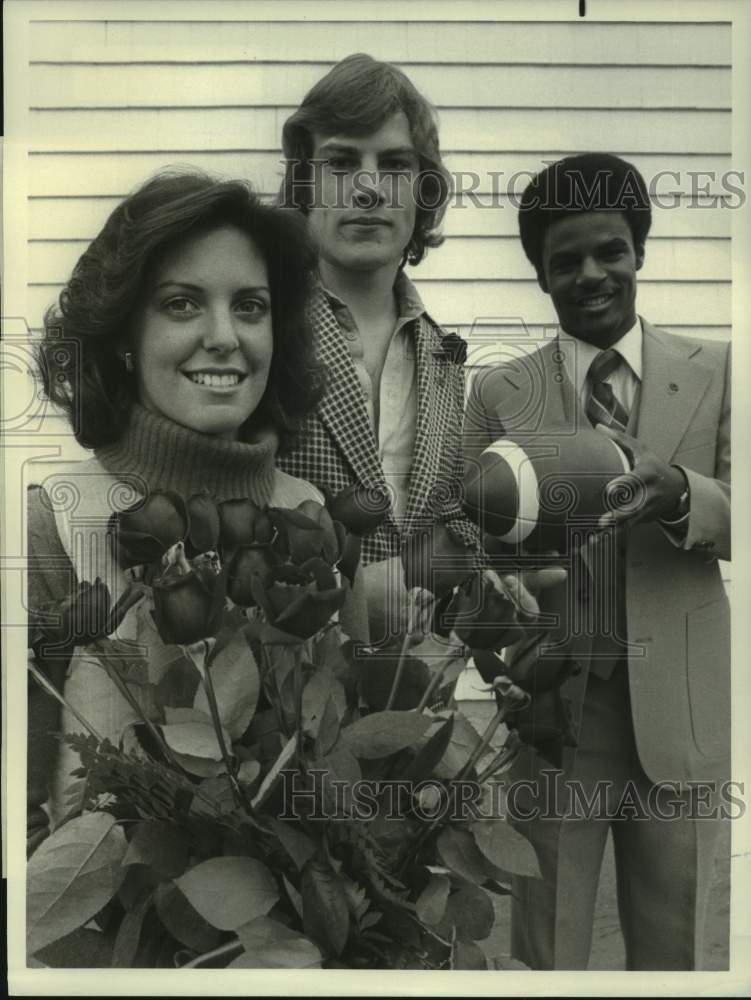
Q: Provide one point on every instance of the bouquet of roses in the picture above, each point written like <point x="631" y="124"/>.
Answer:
<point x="282" y="796"/>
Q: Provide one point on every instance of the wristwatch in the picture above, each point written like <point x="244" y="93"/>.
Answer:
<point x="682" y="508"/>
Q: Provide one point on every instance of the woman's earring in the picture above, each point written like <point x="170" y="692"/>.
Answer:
<point x="129" y="366"/>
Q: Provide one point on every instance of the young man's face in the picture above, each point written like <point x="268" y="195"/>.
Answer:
<point x="364" y="211"/>
<point x="589" y="265"/>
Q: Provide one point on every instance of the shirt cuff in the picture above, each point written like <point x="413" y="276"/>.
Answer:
<point x="674" y="524"/>
<point x="675" y="531"/>
<point x="676" y="528"/>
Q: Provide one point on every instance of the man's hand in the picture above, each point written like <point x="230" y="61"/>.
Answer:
<point x="658" y="485"/>
<point x="525" y="586"/>
<point x="387" y="598"/>
<point x="389" y="603"/>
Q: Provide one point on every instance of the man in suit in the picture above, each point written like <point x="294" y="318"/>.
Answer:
<point x="363" y="163"/>
<point x="651" y="699"/>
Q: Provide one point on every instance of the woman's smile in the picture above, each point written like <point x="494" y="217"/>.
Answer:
<point x="216" y="379"/>
<point x="204" y="336"/>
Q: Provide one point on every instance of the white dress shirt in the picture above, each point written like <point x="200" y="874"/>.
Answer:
<point x="625" y="380"/>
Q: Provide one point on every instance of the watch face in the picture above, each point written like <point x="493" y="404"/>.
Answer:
<point x="683" y="506"/>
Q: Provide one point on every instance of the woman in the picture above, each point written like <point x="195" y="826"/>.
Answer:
<point x="185" y="363"/>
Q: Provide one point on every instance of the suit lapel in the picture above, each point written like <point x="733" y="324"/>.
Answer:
<point x="432" y="379"/>
<point x="673" y="383"/>
<point x="561" y="403"/>
<point x="343" y="409"/>
<point x="540" y="394"/>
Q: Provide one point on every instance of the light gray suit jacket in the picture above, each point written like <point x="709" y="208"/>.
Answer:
<point x="677" y="609"/>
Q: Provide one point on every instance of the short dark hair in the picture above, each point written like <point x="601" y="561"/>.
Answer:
<point x="355" y="98"/>
<point x="98" y="304"/>
<point x="588" y="182"/>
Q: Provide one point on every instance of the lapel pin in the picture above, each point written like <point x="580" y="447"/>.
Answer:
<point x="672" y="387"/>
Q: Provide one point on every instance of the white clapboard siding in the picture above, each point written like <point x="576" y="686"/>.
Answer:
<point x="111" y="101"/>
<point x="270" y="84"/>
<point x="469" y="258"/>
<point x="476" y="174"/>
<point x="586" y="43"/>
<point x="80" y="218"/>
<point x="484" y="129"/>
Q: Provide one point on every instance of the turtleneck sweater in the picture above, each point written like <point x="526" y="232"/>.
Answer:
<point x="168" y="456"/>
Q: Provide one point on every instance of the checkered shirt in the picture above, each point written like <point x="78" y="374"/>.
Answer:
<point x="337" y="446"/>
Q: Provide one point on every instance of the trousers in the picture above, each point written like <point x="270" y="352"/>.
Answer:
<point x="663" y="865"/>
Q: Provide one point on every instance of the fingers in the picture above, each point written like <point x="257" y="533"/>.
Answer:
<point x="519" y="594"/>
<point x="628" y="444"/>
<point x="625" y="516"/>
<point x="630" y="498"/>
<point x="417" y="612"/>
<point x="620" y="437"/>
<point x="615" y="517"/>
<point x="534" y="581"/>
<point x="550" y="577"/>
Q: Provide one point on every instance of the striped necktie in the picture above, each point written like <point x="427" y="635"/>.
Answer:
<point x="608" y="581"/>
<point x="603" y="406"/>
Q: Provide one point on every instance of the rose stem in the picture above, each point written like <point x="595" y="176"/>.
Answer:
<point x="223" y="949"/>
<point x="414" y="618"/>
<point x="482" y="744"/>
<point x="435" y="680"/>
<point x="269" y="682"/>
<point x="399" y="671"/>
<point x="125" y="691"/>
<point x="298" y="699"/>
<point x="208" y="684"/>
<point x="415" y="846"/>
<point x="52" y="690"/>
<point x="427" y="930"/>
<point x="130" y="596"/>
<point x="504" y="755"/>
<point x="484" y="741"/>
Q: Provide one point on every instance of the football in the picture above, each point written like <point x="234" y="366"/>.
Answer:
<point x="541" y="492"/>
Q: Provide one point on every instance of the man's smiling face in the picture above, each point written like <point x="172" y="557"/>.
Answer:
<point x="589" y="265"/>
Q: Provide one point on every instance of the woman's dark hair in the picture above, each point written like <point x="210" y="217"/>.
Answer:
<point x="96" y="308"/>
<point x="589" y="182"/>
<point x="356" y="98"/>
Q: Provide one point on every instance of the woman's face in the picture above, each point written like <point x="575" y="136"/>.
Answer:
<point x="203" y="336"/>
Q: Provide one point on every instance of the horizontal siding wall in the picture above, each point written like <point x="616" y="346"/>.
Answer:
<point x="112" y="101"/>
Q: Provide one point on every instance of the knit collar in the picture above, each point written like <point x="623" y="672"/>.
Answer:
<point x="168" y="456"/>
